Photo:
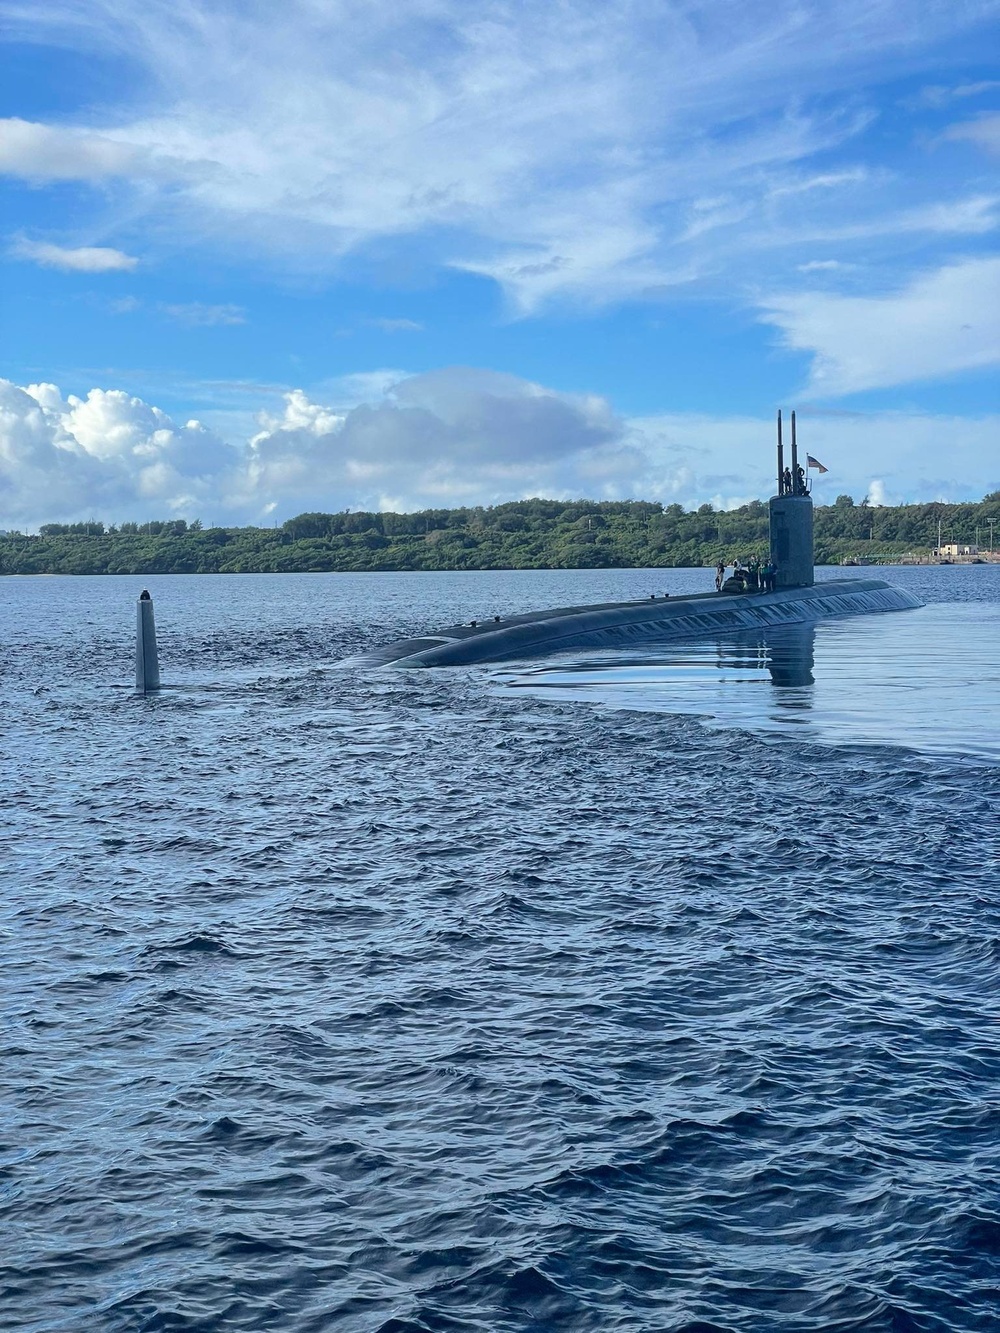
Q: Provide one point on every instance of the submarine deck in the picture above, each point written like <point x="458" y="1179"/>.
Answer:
<point x="607" y="623"/>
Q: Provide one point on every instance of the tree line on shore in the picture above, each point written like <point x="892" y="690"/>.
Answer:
<point x="524" y="534"/>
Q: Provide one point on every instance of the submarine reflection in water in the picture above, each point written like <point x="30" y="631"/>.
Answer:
<point x="877" y="680"/>
<point x="790" y="657"/>
<point x="782" y="659"/>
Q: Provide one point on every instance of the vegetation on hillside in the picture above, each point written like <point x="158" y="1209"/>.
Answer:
<point x="526" y="534"/>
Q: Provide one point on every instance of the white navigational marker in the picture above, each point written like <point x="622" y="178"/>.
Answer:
<point x="147" y="662"/>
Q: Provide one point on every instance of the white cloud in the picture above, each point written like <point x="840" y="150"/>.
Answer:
<point x="976" y="215"/>
<point x="53" y="153"/>
<point x="894" y="457"/>
<point x="973" y="216"/>
<point x="942" y="323"/>
<point x="985" y="132"/>
<point x="108" y="453"/>
<point x="940" y="95"/>
<point x="83" y="259"/>
<point x="825" y="180"/>
<point x="396" y="325"/>
<point x="562" y="151"/>
<point x="195" y="314"/>
<point x="449" y="437"/>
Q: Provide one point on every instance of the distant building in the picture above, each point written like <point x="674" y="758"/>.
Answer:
<point x="958" y="548"/>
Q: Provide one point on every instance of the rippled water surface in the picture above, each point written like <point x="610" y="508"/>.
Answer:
<point x="585" y="994"/>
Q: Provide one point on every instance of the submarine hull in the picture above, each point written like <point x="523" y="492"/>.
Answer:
<point x="623" y="623"/>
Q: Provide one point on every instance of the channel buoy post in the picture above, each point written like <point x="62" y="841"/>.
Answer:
<point x="147" y="661"/>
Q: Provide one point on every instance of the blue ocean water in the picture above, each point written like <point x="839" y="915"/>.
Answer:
<point x="602" y="993"/>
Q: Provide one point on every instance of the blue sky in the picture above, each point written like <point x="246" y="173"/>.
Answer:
<point x="433" y="253"/>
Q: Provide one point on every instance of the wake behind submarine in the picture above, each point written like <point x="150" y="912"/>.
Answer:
<point x="796" y="599"/>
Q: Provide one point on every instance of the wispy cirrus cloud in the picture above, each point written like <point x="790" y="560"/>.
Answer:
<point x="822" y="266"/>
<point x="566" y="153"/>
<point x="197" y="314"/>
<point x="942" y="323"/>
<point x="395" y="325"/>
<point x="984" y="132"/>
<point x="940" y="95"/>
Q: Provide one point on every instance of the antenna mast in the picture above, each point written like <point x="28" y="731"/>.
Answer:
<point x="781" y="459"/>
<point x="795" y="460"/>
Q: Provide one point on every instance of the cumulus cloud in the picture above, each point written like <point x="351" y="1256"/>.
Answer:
<point x="83" y="259"/>
<point x="563" y="151"/>
<point x="449" y="437"/>
<point x="109" y="453"/>
<point x="943" y="323"/>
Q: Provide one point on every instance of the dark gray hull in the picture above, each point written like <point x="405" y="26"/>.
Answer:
<point x="618" y="624"/>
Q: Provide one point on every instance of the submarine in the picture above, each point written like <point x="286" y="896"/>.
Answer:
<point x="794" y="599"/>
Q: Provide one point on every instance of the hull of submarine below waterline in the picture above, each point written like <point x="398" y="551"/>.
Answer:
<point x="614" y="624"/>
